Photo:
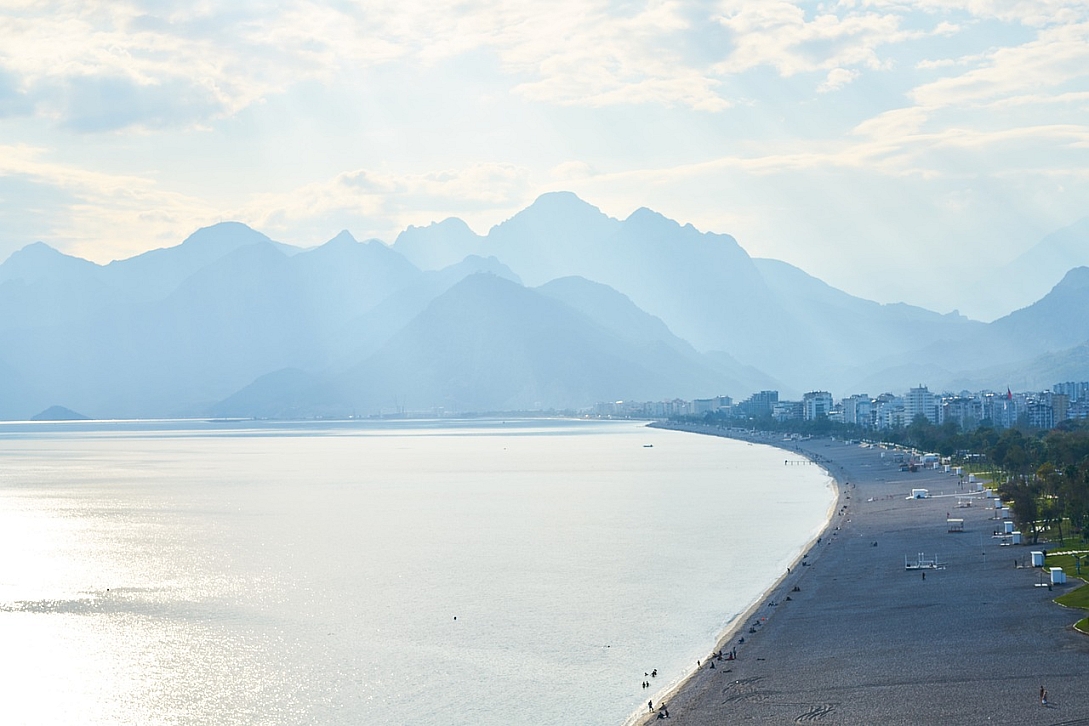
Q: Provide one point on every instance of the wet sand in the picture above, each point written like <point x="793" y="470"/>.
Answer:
<point x="865" y="641"/>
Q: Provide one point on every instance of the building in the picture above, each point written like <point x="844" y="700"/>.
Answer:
<point x="1038" y="412"/>
<point x="816" y="405"/>
<point x="921" y="402"/>
<point x="787" y="411"/>
<point x="1074" y="391"/>
<point x="890" y="412"/>
<point x="1060" y="405"/>
<point x="965" y="411"/>
<point x="718" y="404"/>
<point x="1000" y="409"/>
<point x="759" y="405"/>
<point x="858" y="410"/>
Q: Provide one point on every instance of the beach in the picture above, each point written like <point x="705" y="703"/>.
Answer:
<point x="852" y="636"/>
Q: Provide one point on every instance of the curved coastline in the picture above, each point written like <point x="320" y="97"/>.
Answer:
<point x="970" y="639"/>
<point x="734" y="626"/>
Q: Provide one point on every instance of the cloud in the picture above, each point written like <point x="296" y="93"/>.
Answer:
<point x="1055" y="57"/>
<point x="186" y="64"/>
<point x="92" y="104"/>
<point x="98" y="215"/>
<point x="777" y="33"/>
<point x="13" y="100"/>
<point x="377" y="204"/>
<point x="571" y="170"/>
<point x="837" y="79"/>
<point x="213" y="59"/>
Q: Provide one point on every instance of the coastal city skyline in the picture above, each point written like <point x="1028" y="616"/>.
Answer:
<point x="849" y="139"/>
<point x="966" y="409"/>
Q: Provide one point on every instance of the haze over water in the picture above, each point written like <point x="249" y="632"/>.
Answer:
<point x="400" y="573"/>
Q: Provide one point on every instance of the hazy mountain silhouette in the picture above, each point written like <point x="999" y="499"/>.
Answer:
<point x="1028" y="345"/>
<point x="708" y="290"/>
<point x="491" y="344"/>
<point x="41" y="287"/>
<point x="230" y="322"/>
<point x="1056" y="321"/>
<point x="702" y="285"/>
<point x="438" y="245"/>
<point x="155" y="274"/>
<point x="285" y="393"/>
<point x="1041" y="267"/>
<point x="58" y="413"/>
<point x="659" y="347"/>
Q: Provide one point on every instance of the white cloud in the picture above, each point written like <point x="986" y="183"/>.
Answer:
<point x="837" y="79"/>
<point x="107" y="216"/>
<point x="377" y="204"/>
<point x="225" y="56"/>
<point x="1057" y="56"/>
<point x="778" y="34"/>
<point x="103" y="216"/>
<point x="572" y="170"/>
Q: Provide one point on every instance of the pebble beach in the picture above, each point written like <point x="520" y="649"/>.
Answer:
<point x="857" y="633"/>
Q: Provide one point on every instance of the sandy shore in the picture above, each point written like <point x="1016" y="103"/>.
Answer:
<point x="865" y="641"/>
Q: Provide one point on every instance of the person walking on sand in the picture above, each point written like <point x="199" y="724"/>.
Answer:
<point x="650" y="706"/>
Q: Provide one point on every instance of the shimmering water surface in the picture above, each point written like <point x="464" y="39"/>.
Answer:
<point x="523" y="572"/>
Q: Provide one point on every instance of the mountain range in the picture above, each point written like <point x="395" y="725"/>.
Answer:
<point x="560" y="306"/>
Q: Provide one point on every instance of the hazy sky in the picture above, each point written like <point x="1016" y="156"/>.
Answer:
<point x="878" y="145"/>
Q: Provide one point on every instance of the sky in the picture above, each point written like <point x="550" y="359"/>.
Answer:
<point x="888" y="148"/>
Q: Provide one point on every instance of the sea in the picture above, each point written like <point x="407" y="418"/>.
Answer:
<point x="479" y="572"/>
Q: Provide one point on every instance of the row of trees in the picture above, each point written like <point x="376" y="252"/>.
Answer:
<point x="1043" y="474"/>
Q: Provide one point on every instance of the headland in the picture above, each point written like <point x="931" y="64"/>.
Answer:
<point x="854" y="636"/>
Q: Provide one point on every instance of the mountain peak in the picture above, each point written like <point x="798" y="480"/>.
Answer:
<point x="561" y="202"/>
<point x="551" y="213"/>
<point x="438" y="245"/>
<point x="451" y="225"/>
<point x="223" y="237"/>
<point x="1075" y="279"/>
<point x="38" y="260"/>
<point x="645" y="216"/>
<point x="344" y="237"/>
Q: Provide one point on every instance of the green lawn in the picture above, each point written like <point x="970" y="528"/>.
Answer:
<point x="1078" y="598"/>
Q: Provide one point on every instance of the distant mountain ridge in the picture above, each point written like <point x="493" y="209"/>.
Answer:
<point x="560" y="306"/>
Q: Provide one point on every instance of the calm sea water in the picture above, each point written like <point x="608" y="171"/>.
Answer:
<point x="522" y="572"/>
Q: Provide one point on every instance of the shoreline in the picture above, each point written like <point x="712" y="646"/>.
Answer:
<point x="734" y="626"/>
<point x="869" y="639"/>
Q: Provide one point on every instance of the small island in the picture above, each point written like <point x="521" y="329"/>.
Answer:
<point x="59" y="413"/>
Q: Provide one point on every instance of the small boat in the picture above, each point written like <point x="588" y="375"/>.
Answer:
<point x="648" y="446"/>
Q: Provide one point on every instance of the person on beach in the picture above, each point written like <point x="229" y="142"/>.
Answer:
<point x="650" y="706"/>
